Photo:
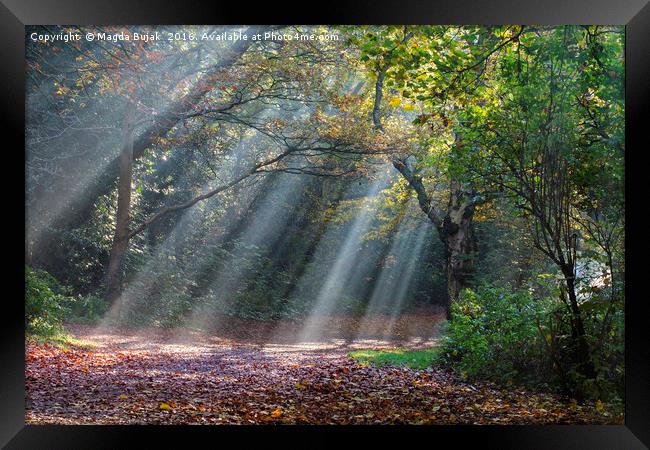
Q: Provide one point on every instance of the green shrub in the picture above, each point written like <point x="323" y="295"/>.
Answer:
<point x="45" y="303"/>
<point x="511" y="336"/>
<point x="604" y="323"/>
<point x="493" y="333"/>
<point x="48" y="304"/>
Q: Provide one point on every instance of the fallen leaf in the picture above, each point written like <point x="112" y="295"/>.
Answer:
<point x="163" y="406"/>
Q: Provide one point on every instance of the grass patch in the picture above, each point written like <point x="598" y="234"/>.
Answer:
<point x="62" y="340"/>
<point x="415" y="359"/>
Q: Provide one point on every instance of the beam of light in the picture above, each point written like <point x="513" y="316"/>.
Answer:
<point x="413" y="256"/>
<point x="344" y="272"/>
<point x="394" y="283"/>
<point x="227" y="282"/>
<point x="47" y="205"/>
<point x="381" y="295"/>
<point x="157" y="266"/>
<point x="45" y="209"/>
<point x="264" y="227"/>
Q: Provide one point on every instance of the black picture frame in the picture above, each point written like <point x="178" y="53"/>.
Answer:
<point x="634" y="14"/>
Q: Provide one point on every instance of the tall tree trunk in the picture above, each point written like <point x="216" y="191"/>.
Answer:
<point x="455" y="226"/>
<point x="454" y="229"/>
<point x="121" y="235"/>
<point x="456" y="234"/>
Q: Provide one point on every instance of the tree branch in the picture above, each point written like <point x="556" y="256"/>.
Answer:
<point x="211" y="193"/>
<point x="413" y="179"/>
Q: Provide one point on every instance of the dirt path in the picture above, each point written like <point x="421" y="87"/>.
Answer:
<point x="187" y="377"/>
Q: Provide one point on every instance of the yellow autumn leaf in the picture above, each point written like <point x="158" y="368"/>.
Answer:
<point x="600" y="406"/>
<point x="409" y="107"/>
<point x="123" y="396"/>
<point x="277" y="412"/>
<point x="394" y="102"/>
<point x="165" y="406"/>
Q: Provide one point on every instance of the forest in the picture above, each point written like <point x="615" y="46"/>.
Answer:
<point x="325" y="224"/>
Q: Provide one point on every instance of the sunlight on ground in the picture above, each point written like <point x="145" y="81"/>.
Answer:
<point x="193" y="341"/>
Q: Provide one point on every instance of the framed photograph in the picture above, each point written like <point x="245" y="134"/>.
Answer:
<point x="384" y="219"/>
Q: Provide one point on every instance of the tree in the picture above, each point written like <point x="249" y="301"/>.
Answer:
<point x="408" y="57"/>
<point x="163" y="122"/>
<point x="265" y="104"/>
<point x="531" y="145"/>
<point x="121" y="236"/>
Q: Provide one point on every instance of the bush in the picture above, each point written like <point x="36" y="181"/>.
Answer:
<point x="604" y="321"/>
<point x="493" y="333"/>
<point x="48" y="304"/>
<point x="507" y="336"/>
<point x="45" y="303"/>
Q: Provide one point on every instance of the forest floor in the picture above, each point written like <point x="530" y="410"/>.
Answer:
<point x="250" y="375"/>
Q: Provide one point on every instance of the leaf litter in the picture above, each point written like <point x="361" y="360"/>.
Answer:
<point x="134" y="379"/>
